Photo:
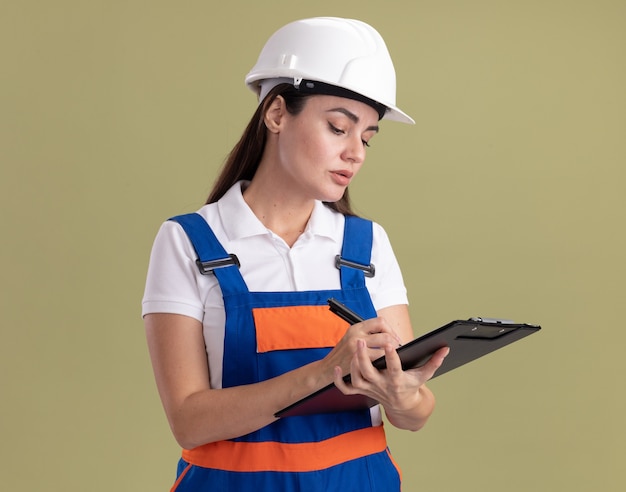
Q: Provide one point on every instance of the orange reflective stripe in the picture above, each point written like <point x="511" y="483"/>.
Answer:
<point x="281" y="457"/>
<point x="395" y="464"/>
<point x="297" y="327"/>
<point x="180" y="478"/>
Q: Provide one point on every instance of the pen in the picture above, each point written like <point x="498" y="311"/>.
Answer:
<point x="346" y="313"/>
<point x="343" y="312"/>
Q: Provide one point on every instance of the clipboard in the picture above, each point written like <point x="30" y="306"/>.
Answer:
<point x="468" y="340"/>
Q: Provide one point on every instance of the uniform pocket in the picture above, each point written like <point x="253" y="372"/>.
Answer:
<point x="297" y="327"/>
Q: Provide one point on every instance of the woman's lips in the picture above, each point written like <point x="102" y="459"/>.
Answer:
<point x="342" y="177"/>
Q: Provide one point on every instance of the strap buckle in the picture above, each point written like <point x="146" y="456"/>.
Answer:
<point x="207" y="267"/>
<point x="368" y="270"/>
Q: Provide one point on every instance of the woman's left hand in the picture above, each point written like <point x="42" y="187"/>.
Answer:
<point x="407" y="401"/>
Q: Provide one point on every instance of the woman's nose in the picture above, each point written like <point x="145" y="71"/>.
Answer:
<point x="355" y="150"/>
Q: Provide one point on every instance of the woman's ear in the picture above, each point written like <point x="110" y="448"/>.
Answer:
<point x="275" y="113"/>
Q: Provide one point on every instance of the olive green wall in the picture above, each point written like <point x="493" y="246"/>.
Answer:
<point x="505" y="199"/>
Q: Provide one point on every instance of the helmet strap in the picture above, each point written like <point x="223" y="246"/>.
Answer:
<point x="321" y="88"/>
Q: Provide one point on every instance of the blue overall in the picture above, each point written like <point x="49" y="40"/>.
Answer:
<point x="324" y="452"/>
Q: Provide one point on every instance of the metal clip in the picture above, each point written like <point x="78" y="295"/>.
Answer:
<point x="368" y="270"/>
<point x="207" y="267"/>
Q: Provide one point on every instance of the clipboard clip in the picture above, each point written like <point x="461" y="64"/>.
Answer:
<point x="501" y="321"/>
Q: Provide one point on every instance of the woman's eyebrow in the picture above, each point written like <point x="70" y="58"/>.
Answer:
<point x="352" y="116"/>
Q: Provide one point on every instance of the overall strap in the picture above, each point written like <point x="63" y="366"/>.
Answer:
<point x="354" y="262"/>
<point x="212" y="257"/>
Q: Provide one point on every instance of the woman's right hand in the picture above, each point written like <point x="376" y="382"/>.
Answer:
<point x="375" y="332"/>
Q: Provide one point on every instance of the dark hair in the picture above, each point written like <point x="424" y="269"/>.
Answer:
<point x="244" y="158"/>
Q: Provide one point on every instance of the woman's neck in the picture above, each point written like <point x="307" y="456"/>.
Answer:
<point x="284" y="213"/>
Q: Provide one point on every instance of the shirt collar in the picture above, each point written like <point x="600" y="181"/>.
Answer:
<point x="323" y="221"/>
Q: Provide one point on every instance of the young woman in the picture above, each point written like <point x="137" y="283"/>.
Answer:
<point x="235" y="303"/>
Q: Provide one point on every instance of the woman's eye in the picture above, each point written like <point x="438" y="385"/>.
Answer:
<point x="339" y="131"/>
<point x="336" y="130"/>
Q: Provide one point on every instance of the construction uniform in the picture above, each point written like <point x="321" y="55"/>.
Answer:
<point x="267" y="334"/>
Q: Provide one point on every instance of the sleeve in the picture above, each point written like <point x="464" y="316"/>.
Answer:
<point x="172" y="278"/>
<point x="387" y="286"/>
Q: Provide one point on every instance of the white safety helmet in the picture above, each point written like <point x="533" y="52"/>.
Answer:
<point x="338" y="53"/>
